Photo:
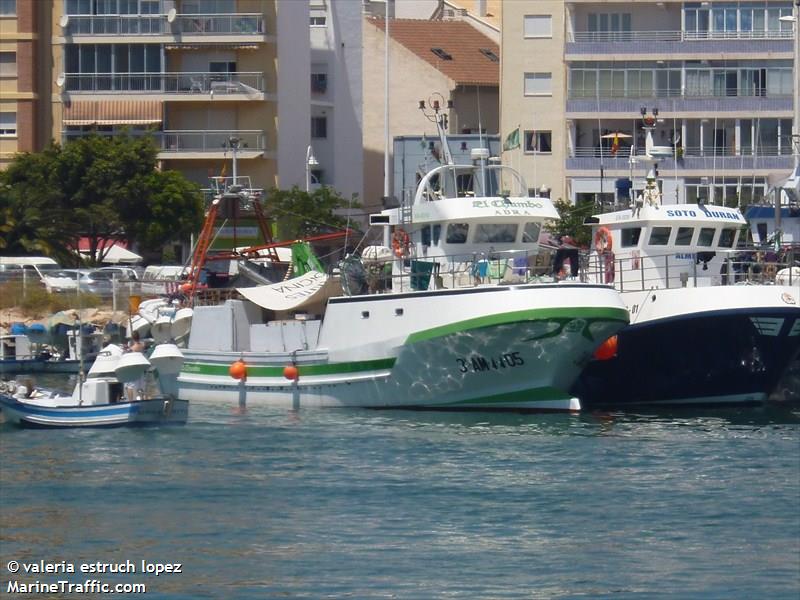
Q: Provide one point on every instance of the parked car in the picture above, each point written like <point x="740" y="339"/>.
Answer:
<point x="19" y="267"/>
<point x="99" y="281"/>
<point x="62" y="280"/>
<point x="123" y="273"/>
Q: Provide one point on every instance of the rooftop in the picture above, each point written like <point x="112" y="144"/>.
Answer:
<point x="455" y="48"/>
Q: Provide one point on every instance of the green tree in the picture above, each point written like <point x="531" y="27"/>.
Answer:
<point x="571" y="221"/>
<point x="299" y="214"/>
<point x="104" y="188"/>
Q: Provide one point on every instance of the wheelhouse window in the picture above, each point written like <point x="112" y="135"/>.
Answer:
<point x="684" y="236"/>
<point x="630" y="236"/>
<point x="496" y="233"/>
<point x="706" y="237"/>
<point x="659" y="236"/>
<point x="457" y="233"/>
<point x="726" y="237"/>
<point x="530" y="235"/>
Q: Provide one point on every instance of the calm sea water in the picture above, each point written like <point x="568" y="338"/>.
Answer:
<point x="396" y="504"/>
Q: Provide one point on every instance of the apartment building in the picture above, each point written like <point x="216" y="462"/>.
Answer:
<point x="449" y="60"/>
<point x="577" y="74"/>
<point x="23" y="58"/>
<point x="336" y="96"/>
<point x="201" y="75"/>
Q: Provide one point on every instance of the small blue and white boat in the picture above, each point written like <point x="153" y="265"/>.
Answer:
<point x="121" y="389"/>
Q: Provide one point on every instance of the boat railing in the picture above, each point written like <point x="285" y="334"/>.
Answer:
<point x="419" y="273"/>
<point x="739" y="266"/>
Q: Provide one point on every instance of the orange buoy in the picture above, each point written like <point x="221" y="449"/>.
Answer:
<point x="291" y="372"/>
<point x="238" y="370"/>
<point x="607" y="349"/>
<point x="185" y="287"/>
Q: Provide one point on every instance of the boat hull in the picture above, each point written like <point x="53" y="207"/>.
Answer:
<point x="154" y="411"/>
<point x="510" y="349"/>
<point x="704" y="346"/>
<point x="35" y="365"/>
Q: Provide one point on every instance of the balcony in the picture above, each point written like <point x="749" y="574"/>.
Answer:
<point x="629" y="102"/>
<point x="226" y="25"/>
<point x="584" y="44"/>
<point x="708" y="159"/>
<point x="191" y="144"/>
<point x="233" y="27"/>
<point x="202" y="86"/>
<point x="119" y="25"/>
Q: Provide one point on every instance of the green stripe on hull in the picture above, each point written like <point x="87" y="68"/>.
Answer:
<point x="543" y="394"/>
<point x="306" y="370"/>
<point x="538" y="314"/>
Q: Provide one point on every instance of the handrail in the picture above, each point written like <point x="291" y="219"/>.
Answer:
<point x="685" y="151"/>
<point x="676" y="36"/>
<point x="185" y="82"/>
<point x="684" y="93"/>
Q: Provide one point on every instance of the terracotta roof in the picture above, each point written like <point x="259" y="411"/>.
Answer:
<point x="457" y="39"/>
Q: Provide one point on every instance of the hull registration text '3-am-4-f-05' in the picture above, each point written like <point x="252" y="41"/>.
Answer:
<point x="478" y="363"/>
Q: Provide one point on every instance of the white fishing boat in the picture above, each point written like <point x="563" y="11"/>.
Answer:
<point x="450" y="316"/>
<point x="120" y="389"/>
<point x="710" y="322"/>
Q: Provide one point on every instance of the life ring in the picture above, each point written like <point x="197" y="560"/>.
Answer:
<point x="400" y="243"/>
<point x="602" y="240"/>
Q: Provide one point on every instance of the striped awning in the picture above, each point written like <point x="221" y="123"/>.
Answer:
<point x="113" y="112"/>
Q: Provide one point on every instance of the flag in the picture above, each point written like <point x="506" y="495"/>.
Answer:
<point x="512" y="140"/>
<point x="424" y="142"/>
<point x="615" y="145"/>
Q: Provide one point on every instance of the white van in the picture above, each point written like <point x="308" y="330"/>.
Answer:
<point x="17" y="267"/>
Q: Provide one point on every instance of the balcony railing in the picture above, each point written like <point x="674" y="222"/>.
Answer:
<point x="218" y="24"/>
<point x="166" y="83"/>
<point x="687" y="151"/>
<point x="210" y="141"/>
<point x="235" y="24"/>
<point x="116" y="25"/>
<point x="675" y="36"/>
<point x="188" y="140"/>
<point x="689" y="158"/>
<point x="698" y="104"/>
<point x="649" y="92"/>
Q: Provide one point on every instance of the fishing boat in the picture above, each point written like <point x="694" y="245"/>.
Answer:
<point x="36" y="348"/>
<point x="120" y="389"/>
<point x="446" y="314"/>
<point x="711" y="322"/>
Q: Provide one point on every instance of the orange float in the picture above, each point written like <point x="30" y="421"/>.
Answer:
<point x="291" y="372"/>
<point x="607" y="350"/>
<point x="238" y="370"/>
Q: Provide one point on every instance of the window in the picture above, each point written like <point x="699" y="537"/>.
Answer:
<point x="8" y="124"/>
<point x="538" y="26"/>
<point x="319" y="83"/>
<point x="495" y="233"/>
<point x="8" y="7"/>
<point x="630" y="236"/>
<point x="539" y="142"/>
<point x="8" y="64"/>
<point x="659" y="236"/>
<point x="222" y="66"/>
<point x="684" y="237"/>
<point x="706" y="237"/>
<point x="318" y="19"/>
<point x="319" y="127"/>
<point x="457" y="233"/>
<point x="530" y="235"/>
<point x="726" y="238"/>
<point x="538" y="84"/>
<point x="441" y="54"/>
<point x="490" y="54"/>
